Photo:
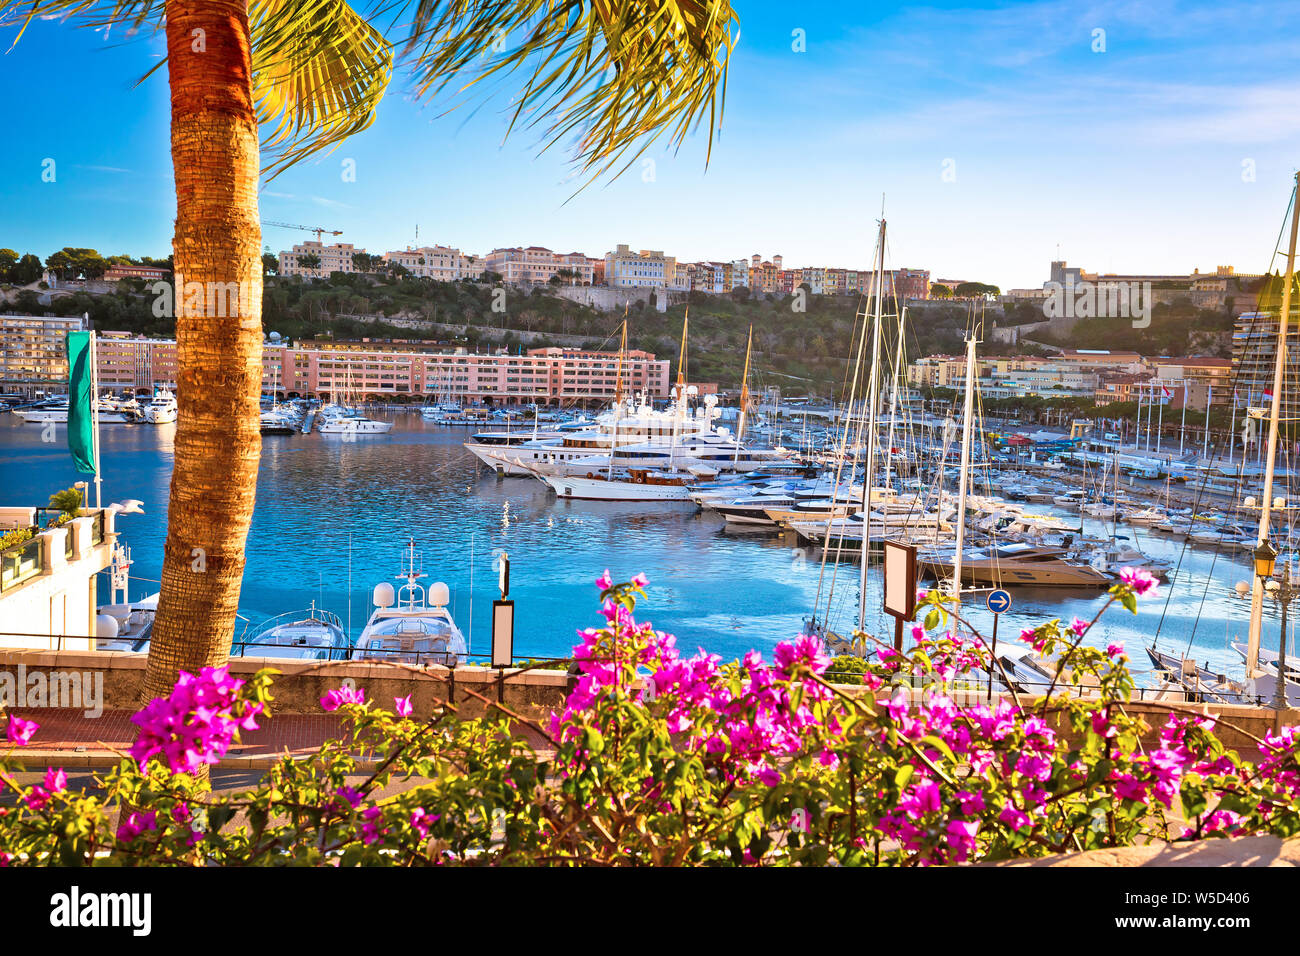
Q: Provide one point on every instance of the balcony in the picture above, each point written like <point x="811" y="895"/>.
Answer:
<point x="21" y="562"/>
<point x="47" y="574"/>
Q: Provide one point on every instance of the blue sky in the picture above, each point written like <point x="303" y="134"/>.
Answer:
<point x="1130" y="160"/>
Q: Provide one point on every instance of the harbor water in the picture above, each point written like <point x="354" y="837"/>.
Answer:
<point x="333" y="516"/>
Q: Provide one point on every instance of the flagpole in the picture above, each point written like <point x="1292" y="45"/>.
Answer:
<point x="1160" y="426"/>
<point x="1232" y="430"/>
<point x="1182" y="428"/>
<point x="1209" y="404"/>
<point x="94" y="409"/>
<point x="1275" y="414"/>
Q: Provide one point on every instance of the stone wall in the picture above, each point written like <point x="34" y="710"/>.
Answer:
<point x="532" y="693"/>
<point x="301" y="684"/>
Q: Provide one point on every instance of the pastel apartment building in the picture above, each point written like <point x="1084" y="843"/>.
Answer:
<point x="442" y="263"/>
<point x="383" y="371"/>
<point x="34" y="353"/>
<point x="336" y="257"/>
<point x="127" y="362"/>
<point x="536" y="265"/>
<point x="764" y="275"/>
<point x="549" y="375"/>
<point x="647" y="268"/>
<point x="132" y="271"/>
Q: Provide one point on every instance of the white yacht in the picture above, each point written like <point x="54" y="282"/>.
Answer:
<point x="410" y="625"/>
<point x="162" y="408"/>
<point x="345" y="424"/>
<point x="633" y="485"/>
<point x="124" y="625"/>
<point x="634" y="435"/>
<point x="310" y="635"/>
<point x="134" y="625"/>
<point x="110" y="413"/>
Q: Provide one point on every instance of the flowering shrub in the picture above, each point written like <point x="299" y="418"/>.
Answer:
<point x="662" y="758"/>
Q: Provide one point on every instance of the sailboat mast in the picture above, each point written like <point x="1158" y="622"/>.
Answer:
<point x="679" y="418"/>
<point x="964" y="478"/>
<point x="893" y="400"/>
<point x="681" y="358"/>
<point x="618" y="397"/>
<point x="744" y="392"/>
<point x="872" y="400"/>
<point x="1279" y="368"/>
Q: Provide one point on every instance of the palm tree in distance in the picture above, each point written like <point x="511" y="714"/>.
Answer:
<point x="609" y="77"/>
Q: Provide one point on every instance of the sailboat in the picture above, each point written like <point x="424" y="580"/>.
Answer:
<point x="1261" y="669"/>
<point x="347" y="421"/>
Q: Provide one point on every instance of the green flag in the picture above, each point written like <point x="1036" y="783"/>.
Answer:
<point x="81" y="417"/>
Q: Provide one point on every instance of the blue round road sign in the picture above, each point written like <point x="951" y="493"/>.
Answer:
<point x="999" y="601"/>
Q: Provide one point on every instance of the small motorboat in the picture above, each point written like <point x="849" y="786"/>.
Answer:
<point x="311" y="634"/>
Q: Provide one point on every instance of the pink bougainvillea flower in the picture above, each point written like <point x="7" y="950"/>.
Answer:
<point x="370" y="831"/>
<point x="971" y="802"/>
<point x="196" y="723"/>
<point x="56" y="781"/>
<point x="1114" y="650"/>
<point x="403" y="706"/>
<point x="20" y="731"/>
<point x="137" y="823"/>
<point x="335" y="699"/>
<point x="1079" y="626"/>
<point x="1014" y="817"/>
<point x="421" y="820"/>
<point x="1140" y="580"/>
<point x="605" y="582"/>
<point x="641" y="581"/>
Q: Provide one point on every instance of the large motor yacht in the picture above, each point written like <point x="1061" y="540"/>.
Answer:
<point x="409" y="624"/>
<point x="162" y="408"/>
<point x="633" y="434"/>
<point x="353" y="425"/>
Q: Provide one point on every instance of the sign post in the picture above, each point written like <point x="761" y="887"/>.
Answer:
<point x="999" y="601"/>
<point x="900" y="585"/>
<point x="503" y="623"/>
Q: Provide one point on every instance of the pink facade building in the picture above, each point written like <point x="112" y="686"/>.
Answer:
<point x="405" y="372"/>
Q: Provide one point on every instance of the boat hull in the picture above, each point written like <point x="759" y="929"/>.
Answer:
<point x="594" y="489"/>
<point x="1005" y="574"/>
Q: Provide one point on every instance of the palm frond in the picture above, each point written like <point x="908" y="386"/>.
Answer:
<point x="319" y="69"/>
<point x="616" y="75"/>
<point x="91" y="13"/>
<point x="319" y="73"/>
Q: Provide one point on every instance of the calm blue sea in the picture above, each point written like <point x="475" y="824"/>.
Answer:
<point x="333" y="517"/>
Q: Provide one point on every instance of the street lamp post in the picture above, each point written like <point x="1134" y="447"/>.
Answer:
<point x="1282" y="589"/>
<point x="1283" y="592"/>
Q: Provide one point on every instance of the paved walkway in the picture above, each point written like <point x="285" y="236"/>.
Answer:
<point x="67" y="738"/>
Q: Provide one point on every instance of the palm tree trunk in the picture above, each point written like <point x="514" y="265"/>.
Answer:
<point x="218" y="333"/>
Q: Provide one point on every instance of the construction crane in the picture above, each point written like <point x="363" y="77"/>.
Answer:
<point x="318" y="230"/>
